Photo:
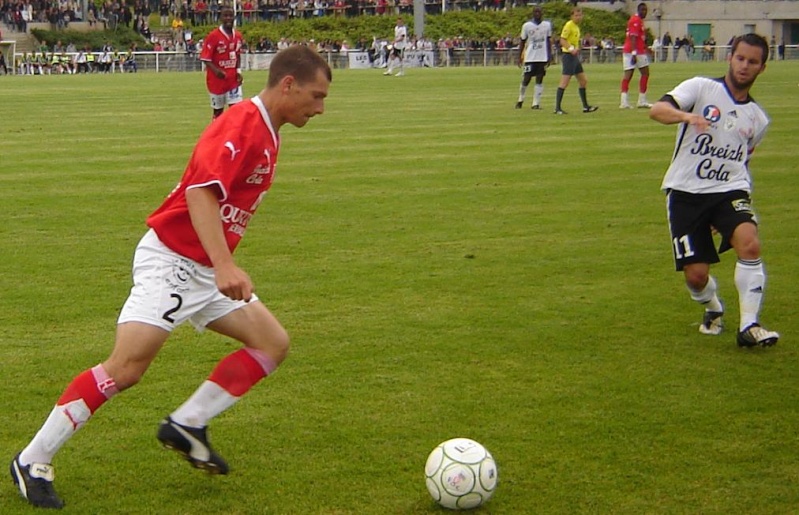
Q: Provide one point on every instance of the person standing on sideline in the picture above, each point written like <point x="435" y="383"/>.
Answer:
<point x="397" y="51"/>
<point x="221" y="54"/>
<point x="570" y="44"/>
<point x="635" y="55"/>
<point x="708" y="185"/>
<point x="535" y="55"/>
<point x="184" y="269"/>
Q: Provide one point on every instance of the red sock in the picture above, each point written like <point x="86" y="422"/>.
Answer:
<point x="239" y="371"/>
<point x="94" y="386"/>
<point x="625" y="85"/>
<point x="643" y="83"/>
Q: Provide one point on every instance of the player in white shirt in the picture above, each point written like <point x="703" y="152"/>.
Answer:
<point x="708" y="186"/>
<point x="398" y="48"/>
<point x="535" y="55"/>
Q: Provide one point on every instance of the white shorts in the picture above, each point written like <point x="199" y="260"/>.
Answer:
<point x="234" y="96"/>
<point x="169" y="289"/>
<point x="641" y="61"/>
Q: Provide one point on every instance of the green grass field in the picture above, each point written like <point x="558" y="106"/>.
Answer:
<point x="446" y="265"/>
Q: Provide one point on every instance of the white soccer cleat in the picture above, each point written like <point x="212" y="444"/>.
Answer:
<point x="625" y="106"/>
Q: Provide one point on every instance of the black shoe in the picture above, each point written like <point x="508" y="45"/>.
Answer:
<point x="191" y="443"/>
<point x="518" y="105"/>
<point x="560" y="111"/>
<point x="590" y="109"/>
<point x="756" y="336"/>
<point x="35" y="483"/>
<point x="535" y="106"/>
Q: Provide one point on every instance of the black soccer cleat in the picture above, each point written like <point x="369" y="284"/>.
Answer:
<point x="756" y="336"/>
<point x="590" y="109"/>
<point x="191" y="443"/>
<point x="35" y="483"/>
<point x="518" y="105"/>
<point x="535" y="106"/>
<point x="712" y="323"/>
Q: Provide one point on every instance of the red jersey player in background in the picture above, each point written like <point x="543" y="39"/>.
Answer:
<point x="221" y="54"/>
<point x="184" y="270"/>
<point x="635" y="55"/>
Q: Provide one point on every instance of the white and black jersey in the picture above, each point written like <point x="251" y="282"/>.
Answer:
<point x="536" y="38"/>
<point x="716" y="160"/>
<point x="400" y="37"/>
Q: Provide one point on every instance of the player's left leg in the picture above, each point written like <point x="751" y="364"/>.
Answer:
<point x="401" y="57"/>
<point x="643" y="84"/>
<point x="582" y="80"/>
<point x="266" y="346"/>
<point x="538" y="90"/>
<point x="750" y="281"/>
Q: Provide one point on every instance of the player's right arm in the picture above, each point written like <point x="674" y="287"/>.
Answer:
<point x="667" y="114"/>
<point x="203" y="205"/>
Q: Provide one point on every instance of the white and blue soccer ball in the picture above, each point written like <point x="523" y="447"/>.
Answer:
<point x="461" y="474"/>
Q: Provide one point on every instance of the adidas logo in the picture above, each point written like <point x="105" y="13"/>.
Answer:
<point x="757" y="289"/>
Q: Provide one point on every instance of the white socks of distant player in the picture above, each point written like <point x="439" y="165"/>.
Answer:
<point x="522" y="92"/>
<point x="624" y="99"/>
<point x="537" y="92"/>
<point x="750" y="280"/>
<point x="708" y="295"/>
<point x="208" y="401"/>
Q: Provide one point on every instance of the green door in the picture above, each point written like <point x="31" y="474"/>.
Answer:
<point x="699" y="32"/>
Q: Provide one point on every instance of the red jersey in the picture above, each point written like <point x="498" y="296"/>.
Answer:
<point x="635" y="27"/>
<point x="224" y="51"/>
<point x="236" y="155"/>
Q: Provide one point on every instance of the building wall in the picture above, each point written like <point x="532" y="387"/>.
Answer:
<point x="727" y="18"/>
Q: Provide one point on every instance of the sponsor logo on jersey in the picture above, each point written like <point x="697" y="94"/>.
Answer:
<point x="235" y="218"/>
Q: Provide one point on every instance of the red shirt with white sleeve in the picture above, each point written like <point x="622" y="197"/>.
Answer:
<point x="635" y="27"/>
<point x="224" y="51"/>
<point x="236" y="155"/>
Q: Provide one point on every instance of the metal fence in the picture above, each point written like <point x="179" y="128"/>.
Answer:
<point x="160" y="62"/>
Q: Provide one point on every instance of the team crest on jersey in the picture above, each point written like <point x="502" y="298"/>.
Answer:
<point x="711" y="113"/>
<point x="729" y="122"/>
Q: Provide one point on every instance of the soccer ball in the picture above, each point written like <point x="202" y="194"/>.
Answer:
<point x="461" y="474"/>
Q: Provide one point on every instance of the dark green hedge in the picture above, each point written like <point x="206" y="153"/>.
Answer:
<point x="481" y="26"/>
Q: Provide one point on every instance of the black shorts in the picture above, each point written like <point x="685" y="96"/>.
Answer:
<point x="692" y="218"/>
<point x="572" y="65"/>
<point x="533" y="69"/>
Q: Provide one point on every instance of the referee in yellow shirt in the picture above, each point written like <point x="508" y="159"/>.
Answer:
<point x="570" y="45"/>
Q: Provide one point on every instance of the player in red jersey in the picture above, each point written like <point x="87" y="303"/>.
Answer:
<point x="184" y="270"/>
<point x="221" y="54"/>
<point x="635" y="54"/>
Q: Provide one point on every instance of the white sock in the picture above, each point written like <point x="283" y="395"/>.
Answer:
<point x="750" y="280"/>
<point x="59" y="427"/>
<point x="537" y="92"/>
<point x="208" y="401"/>
<point x="522" y="92"/>
<point x="708" y="295"/>
<point x="624" y="99"/>
<point x="642" y="98"/>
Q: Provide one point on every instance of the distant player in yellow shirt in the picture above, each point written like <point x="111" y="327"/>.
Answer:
<point x="570" y="45"/>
